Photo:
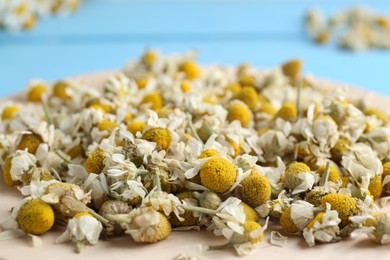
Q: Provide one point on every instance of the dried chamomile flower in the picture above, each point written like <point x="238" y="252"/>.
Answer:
<point x="29" y="142"/>
<point x="343" y="204"/>
<point x="208" y="199"/>
<point x="288" y="111"/>
<point x="292" y="68"/>
<point x="35" y="217"/>
<point x="315" y="196"/>
<point x="324" y="227"/>
<point x="375" y="186"/>
<point x="154" y="100"/>
<point x="188" y="217"/>
<point x="161" y="136"/>
<point x="18" y="165"/>
<point x="136" y="126"/>
<point x="249" y="96"/>
<point x="66" y="198"/>
<point x="145" y="224"/>
<point x="149" y="57"/>
<point x="298" y="177"/>
<point x="83" y="228"/>
<point x="9" y="112"/>
<point x="376" y="227"/>
<point x="254" y="190"/>
<point x="113" y="207"/>
<point x="333" y="176"/>
<point x="36" y="90"/>
<point x="217" y="174"/>
<point x="190" y="69"/>
<point x="340" y="148"/>
<point x="240" y="112"/>
<point x="296" y="217"/>
<point x="95" y="162"/>
<point x="250" y="213"/>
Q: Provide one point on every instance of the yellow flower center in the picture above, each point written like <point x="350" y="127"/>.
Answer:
<point x="35" y="217"/>
<point x="160" y="136"/>
<point x="190" y="69"/>
<point x="35" y="93"/>
<point x="135" y="127"/>
<point x="218" y="174"/>
<point x="9" y="112"/>
<point x="154" y="99"/>
<point x="31" y="142"/>
<point x="208" y="153"/>
<point x="95" y="162"/>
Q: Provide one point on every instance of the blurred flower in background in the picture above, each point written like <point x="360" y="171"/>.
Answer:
<point x="18" y="15"/>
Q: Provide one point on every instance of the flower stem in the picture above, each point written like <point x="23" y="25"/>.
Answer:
<point x="46" y="110"/>
<point x="62" y="156"/>
<point x="192" y="128"/>
<point x="199" y="209"/>
<point x="97" y="216"/>
<point x="157" y="182"/>
<point x="299" y="98"/>
<point x="325" y="175"/>
<point x="80" y="246"/>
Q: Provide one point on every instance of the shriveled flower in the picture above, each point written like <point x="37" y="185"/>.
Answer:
<point x="324" y="227"/>
<point x="145" y="224"/>
<point x="83" y="228"/>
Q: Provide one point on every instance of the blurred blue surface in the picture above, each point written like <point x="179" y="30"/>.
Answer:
<point x="104" y="34"/>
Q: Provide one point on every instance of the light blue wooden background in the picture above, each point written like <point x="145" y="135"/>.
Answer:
<point x="104" y="34"/>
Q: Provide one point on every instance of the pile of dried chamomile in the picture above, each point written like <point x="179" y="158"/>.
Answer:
<point x="168" y="145"/>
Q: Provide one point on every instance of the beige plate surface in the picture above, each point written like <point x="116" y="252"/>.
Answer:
<point x="178" y="242"/>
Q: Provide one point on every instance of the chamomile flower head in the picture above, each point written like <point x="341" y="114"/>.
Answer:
<point x="287" y="111"/>
<point x="287" y="222"/>
<point x="144" y="225"/>
<point x="135" y="127"/>
<point x="35" y="217"/>
<point x="346" y="206"/>
<point x="62" y="90"/>
<point x="149" y="57"/>
<point x="218" y="174"/>
<point x="36" y="90"/>
<point x="29" y="141"/>
<point x="154" y="100"/>
<point x="66" y="198"/>
<point x="375" y="186"/>
<point x="17" y="166"/>
<point x="324" y="227"/>
<point x="82" y="228"/>
<point x="315" y="196"/>
<point x="208" y="199"/>
<point x="249" y="96"/>
<point x="254" y="190"/>
<point x="190" y="69"/>
<point x="250" y="213"/>
<point x="240" y="112"/>
<point x="378" y="227"/>
<point x="292" y="68"/>
<point x="9" y="112"/>
<point x="188" y="217"/>
<point x="378" y="114"/>
<point x="298" y="177"/>
<point x="340" y="148"/>
<point x="95" y="161"/>
<point x="161" y="136"/>
<point x="334" y="174"/>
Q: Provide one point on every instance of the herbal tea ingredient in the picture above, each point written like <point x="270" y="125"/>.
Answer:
<point x="168" y="145"/>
